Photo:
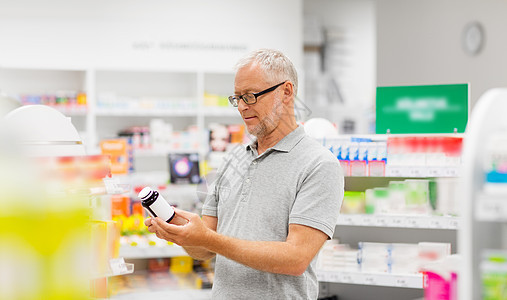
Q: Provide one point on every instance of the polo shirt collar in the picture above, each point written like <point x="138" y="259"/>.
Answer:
<point x="286" y="144"/>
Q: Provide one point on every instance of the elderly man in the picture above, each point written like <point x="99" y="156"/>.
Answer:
<point x="275" y="201"/>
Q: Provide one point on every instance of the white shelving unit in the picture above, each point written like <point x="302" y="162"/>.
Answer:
<point x="194" y="294"/>
<point x="422" y="172"/>
<point x="352" y="229"/>
<point x="400" y="221"/>
<point x="119" y="98"/>
<point x="43" y="81"/>
<point x="484" y="214"/>
<point x="374" y="279"/>
<point x="139" y="252"/>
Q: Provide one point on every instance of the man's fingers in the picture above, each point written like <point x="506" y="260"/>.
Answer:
<point x="147" y="222"/>
<point x="163" y="225"/>
<point x="164" y="235"/>
<point x="185" y="214"/>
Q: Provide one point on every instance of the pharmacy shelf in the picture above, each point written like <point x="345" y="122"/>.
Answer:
<point x="72" y="110"/>
<point x="414" y="281"/>
<point x="220" y="111"/>
<point x="132" y="95"/>
<point x="118" y="112"/>
<point x="194" y="294"/>
<point x="400" y="221"/>
<point x="422" y="172"/>
<point x="141" y="252"/>
<point x="415" y="172"/>
<point x="157" y="153"/>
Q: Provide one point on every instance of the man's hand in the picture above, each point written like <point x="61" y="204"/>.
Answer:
<point x="178" y="220"/>
<point x="192" y="233"/>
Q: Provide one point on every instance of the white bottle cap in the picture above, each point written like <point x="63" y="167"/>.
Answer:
<point x="144" y="193"/>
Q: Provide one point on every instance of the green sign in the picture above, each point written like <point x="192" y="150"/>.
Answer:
<point x="422" y="109"/>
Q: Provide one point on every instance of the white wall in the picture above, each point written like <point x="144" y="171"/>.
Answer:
<point x="353" y="65"/>
<point x="419" y="42"/>
<point x="192" y="34"/>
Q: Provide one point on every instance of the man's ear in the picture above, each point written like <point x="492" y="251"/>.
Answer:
<point x="288" y="91"/>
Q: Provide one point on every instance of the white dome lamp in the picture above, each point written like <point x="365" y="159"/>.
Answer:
<point x="43" y="131"/>
<point x="320" y="128"/>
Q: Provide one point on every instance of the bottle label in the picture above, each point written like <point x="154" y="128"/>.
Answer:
<point x="162" y="209"/>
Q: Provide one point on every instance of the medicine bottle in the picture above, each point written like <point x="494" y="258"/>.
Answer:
<point x="155" y="204"/>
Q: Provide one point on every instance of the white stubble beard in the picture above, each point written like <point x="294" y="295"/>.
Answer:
<point x="269" y="123"/>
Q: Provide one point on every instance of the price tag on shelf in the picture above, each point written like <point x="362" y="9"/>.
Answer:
<point x="321" y="276"/>
<point x="118" y="266"/>
<point x="393" y="172"/>
<point x="435" y="172"/>
<point x="397" y="221"/>
<point x="451" y="172"/>
<point x="400" y="282"/>
<point x="348" y="220"/>
<point x="416" y="172"/>
<point x="368" y="220"/>
<point x="436" y="223"/>
<point x="413" y="222"/>
<point x="347" y="278"/>
<point x="370" y="279"/>
<point x="381" y="221"/>
<point x="452" y="223"/>
<point x="334" y="277"/>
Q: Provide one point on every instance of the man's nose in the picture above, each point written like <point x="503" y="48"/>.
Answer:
<point x="242" y="106"/>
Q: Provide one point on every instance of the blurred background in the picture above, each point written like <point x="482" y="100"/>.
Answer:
<point x="138" y="91"/>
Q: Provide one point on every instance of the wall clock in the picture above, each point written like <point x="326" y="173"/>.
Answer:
<point x="473" y="38"/>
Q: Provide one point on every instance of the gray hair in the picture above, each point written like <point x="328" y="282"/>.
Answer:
<point x="276" y="66"/>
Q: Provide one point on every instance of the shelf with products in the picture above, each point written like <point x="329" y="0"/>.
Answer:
<point x="483" y="190"/>
<point x="432" y="155"/>
<point x="136" y="242"/>
<point x="87" y="178"/>
<point x="159" y="278"/>
<point x="399" y="189"/>
<point x="378" y="196"/>
<point x="105" y="101"/>
<point x="63" y="89"/>
<point x="72" y="110"/>
<point x="76" y="242"/>
<point x="400" y="202"/>
<point x="378" y="264"/>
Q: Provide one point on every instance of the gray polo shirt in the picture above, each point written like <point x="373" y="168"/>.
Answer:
<point x="256" y="197"/>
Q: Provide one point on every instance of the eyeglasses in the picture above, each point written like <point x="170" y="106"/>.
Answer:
<point x="251" y="98"/>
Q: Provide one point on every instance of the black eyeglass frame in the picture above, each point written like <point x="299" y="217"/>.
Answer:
<point x="234" y="100"/>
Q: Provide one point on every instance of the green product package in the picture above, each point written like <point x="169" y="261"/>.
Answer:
<point x="353" y="203"/>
